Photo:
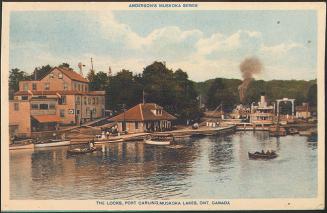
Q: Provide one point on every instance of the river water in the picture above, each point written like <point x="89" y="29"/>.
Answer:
<point x="210" y="167"/>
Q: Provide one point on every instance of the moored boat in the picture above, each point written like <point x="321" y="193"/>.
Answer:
<point x="159" y="139"/>
<point x="305" y="133"/>
<point x="76" y="151"/>
<point x="21" y="146"/>
<point x="293" y="131"/>
<point x="52" y="143"/>
<point x="262" y="155"/>
<point x="277" y="131"/>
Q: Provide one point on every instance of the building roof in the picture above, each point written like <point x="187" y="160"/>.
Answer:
<point x="72" y="74"/>
<point x="60" y="92"/>
<point x="143" y="112"/>
<point x="47" y="118"/>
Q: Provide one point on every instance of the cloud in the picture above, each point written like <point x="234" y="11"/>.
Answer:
<point x="279" y="49"/>
<point x="113" y="43"/>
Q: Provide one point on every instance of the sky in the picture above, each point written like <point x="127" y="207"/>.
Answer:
<point x="205" y="44"/>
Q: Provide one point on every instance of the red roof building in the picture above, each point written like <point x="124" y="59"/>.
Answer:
<point x="61" y="96"/>
<point x="146" y="117"/>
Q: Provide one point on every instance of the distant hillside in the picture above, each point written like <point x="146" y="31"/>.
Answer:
<point x="226" y="91"/>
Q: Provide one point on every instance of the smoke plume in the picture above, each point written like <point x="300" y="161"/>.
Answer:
<point x="248" y="68"/>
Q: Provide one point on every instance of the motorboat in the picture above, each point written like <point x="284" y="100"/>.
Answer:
<point x="76" y="151"/>
<point x="51" y="143"/>
<point x="159" y="139"/>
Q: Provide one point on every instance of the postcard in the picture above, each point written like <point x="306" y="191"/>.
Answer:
<point x="162" y="106"/>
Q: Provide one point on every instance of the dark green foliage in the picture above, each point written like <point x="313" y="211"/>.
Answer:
<point x="275" y="89"/>
<point x="123" y="88"/>
<point x="312" y="95"/>
<point x="40" y="72"/>
<point x="15" y="75"/>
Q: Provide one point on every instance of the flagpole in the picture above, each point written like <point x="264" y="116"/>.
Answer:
<point x="143" y="96"/>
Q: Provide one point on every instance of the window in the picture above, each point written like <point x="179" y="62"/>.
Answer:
<point x="97" y="100"/>
<point x="79" y="87"/>
<point x="93" y="101"/>
<point x="44" y="106"/>
<point x="60" y="75"/>
<point x="75" y="86"/>
<point x="46" y="86"/>
<point x="52" y="106"/>
<point x="35" y="106"/>
<point x="51" y="75"/>
<point x="82" y="87"/>
<point x="86" y="88"/>
<point x="62" y="100"/>
<point x="85" y="100"/>
<point x="25" y="86"/>
<point x="77" y="111"/>
<point x="62" y="113"/>
<point x="136" y="125"/>
<point x="34" y="86"/>
<point x="78" y="100"/>
<point x="16" y="106"/>
<point x="24" y="97"/>
<point x="87" y="111"/>
<point x="89" y="100"/>
<point x="65" y="86"/>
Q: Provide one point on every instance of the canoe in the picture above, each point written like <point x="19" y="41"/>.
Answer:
<point x="52" y="143"/>
<point x="262" y="156"/>
<point x="77" y="151"/>
<point x="152" y="142"/>
<point x="21" y="146"/>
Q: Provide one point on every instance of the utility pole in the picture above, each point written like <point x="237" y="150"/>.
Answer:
<point x="91" y="63"/>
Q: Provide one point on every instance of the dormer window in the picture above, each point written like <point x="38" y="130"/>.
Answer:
<point x="51" y="75"/>
<point x="60" y="75"/>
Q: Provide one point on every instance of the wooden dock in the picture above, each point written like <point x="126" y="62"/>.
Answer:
<point x="183" y="133"/>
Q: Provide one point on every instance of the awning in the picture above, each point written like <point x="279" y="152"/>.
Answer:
<point x="47" y="118"/>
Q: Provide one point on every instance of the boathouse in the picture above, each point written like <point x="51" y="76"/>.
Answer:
<point x="147" y="117"/>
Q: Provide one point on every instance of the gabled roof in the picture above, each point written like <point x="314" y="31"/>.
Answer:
<point x="72" y="74"/>
<point x="143" y="112"/>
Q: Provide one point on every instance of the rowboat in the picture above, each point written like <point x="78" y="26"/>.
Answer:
<point x="260" y="155"/>
<point x="52" y="143"/>
<point x="159" y="139"/>
<point x="77" y="151"/>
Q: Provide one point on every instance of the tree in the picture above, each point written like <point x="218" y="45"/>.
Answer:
<point x="15" y="75"/>
<point x="312" y="95"/>
<point x="123" y="88"/>
<point x="40" y="72"/>
<point x="64" y="65"/>
<point x="91" y="77"/>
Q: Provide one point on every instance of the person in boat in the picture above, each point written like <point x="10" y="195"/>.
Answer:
<point x="268" y="152"/>
<point x="262" y="152"/>
<point x="91" y="144"/>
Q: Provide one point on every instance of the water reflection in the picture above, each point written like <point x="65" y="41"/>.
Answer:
<point x="209" y="167"/>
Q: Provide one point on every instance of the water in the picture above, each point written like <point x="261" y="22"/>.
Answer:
<point x="210" y="167"/>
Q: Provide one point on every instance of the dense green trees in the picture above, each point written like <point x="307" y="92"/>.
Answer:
<point x="175" y="92"/>
<point x="15" y="75"/>
<point x="227" y="92"/>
